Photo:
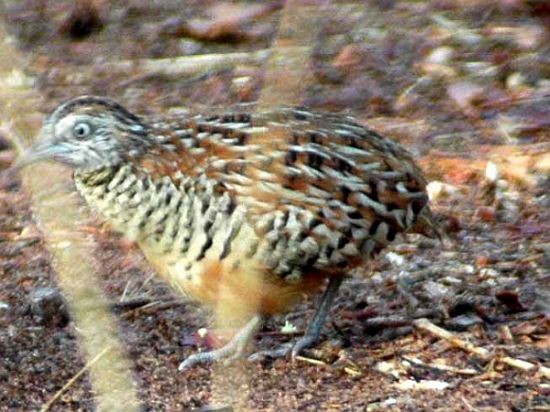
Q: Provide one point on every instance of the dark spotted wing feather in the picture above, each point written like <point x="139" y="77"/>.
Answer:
<point x="322" y="191"/>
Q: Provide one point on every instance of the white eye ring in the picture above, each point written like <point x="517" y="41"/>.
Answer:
<point x="81" y="130"/>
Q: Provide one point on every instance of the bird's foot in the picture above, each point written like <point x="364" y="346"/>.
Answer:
<point x="231" y="351"/>
<point x="235" y="349"/>
<point x="295" y="349"/>
<point x="277" y="353"/>
<point x="306" y="341"/>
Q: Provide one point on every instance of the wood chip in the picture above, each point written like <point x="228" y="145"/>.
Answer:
<point x="425" y="325"/>
<point x="441" y="368"/>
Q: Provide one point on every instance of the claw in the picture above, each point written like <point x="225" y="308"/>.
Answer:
<point x="305" y="342"/>
<point x="286" y="348"/>
<point x="313" y="331"/>
<point x="227" y="352"/>
<point x="277" y="353"/>
<point x="235" y="349"/>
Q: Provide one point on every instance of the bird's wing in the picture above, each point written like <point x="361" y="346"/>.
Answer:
<point x="307" y="175"/>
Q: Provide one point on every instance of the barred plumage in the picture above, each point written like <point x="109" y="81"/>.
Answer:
<point x="268" y="204"/>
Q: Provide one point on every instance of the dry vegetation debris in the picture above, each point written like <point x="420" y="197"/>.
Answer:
<point x="463" y="84"/>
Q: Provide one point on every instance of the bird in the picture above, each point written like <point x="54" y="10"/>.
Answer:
<point x="247" y="212"/>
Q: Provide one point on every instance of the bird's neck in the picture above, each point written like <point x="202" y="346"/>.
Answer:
<point x="96" y="177"/>
<point x="116" y="193"/>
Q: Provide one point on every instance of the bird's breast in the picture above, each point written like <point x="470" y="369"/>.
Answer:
<point x="201" y="243"/>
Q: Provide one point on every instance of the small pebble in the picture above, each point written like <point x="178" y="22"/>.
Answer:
<point x="520" y="300"/>
<point x="488" y="273"/>
<point x="4" y="307"/>
<point x="48" y="305"/>
<point x="410" y="384"/>
<point x="440" y="55"/>
<point x="463" y="322"/>
<point x="4" y="143"/>
<point x="436" y="290"/>
<point x="189" y="47"/>
<point x="515" y="80"/>
<point x="439" y="190"/>
<point x="492" y="173"/>
<point x="83" y="20"/>
<point x="395" y="259"/>
<point x="451" y="280"/>
<point x="486" y="213"/>
<point x="7" y="157"/>
<point x="482" y="261"/>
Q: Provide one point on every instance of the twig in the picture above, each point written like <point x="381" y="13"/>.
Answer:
<point x="187" y="65"/>
<point x="353" y="372"/>
<point x="141" y="304"/>
<point x="352" y="368"/>
<point x="386" y="322"/>
<point x="425" y="325"/>
<point x="469" y="407"/>
<point x="178" y="67"/>
<point x="316" y="362"/>
<point x="278" y="333"/>
<point x="412" y="301"/>
<point x="130" y="304"/>
<point x="440" y="368"/>
<point x="71" y="381"/>
<point x="123" y="297"/>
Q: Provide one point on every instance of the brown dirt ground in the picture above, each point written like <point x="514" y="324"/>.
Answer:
<point x="459" y="83"/>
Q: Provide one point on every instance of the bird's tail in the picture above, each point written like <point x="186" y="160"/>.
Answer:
<point x="427" y="225"/>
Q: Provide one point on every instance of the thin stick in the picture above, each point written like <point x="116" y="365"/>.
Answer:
<point x="188" y="65"/>
<point x="58" y="217"/>
<point x="174" y="67"/>
<point x="425" y="325"/>
<point x="440" y="368"/>
<point x="71" y="381"/>
<point x="316" y="362"/>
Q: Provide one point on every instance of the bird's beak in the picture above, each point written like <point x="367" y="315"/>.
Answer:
<point x="42" y="150"/>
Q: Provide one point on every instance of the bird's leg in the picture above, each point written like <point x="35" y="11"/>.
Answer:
<point x="314" y="328"/>
<point x="316" y="324"/>
<point x="234" y="349"/>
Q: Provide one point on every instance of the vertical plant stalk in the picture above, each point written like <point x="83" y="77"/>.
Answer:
<point x="288" y="72"/>
<point x="58" y="217"/>
<point x="286" y="77"/>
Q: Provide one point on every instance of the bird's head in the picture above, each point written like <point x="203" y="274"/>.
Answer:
<point x="89" y="133"/>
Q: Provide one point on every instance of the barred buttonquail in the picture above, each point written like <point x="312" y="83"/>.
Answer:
<point x="249" y="211"/>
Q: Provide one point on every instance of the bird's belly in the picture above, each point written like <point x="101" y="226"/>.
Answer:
<point x="239" y="283"/>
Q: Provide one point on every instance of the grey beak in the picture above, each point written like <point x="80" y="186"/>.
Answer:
<point x="45" y="150"/>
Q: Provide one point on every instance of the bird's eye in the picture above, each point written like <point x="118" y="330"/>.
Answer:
<point x="81" y="130"/>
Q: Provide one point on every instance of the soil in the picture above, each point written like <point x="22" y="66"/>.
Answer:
<point x="464" y="85"/>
